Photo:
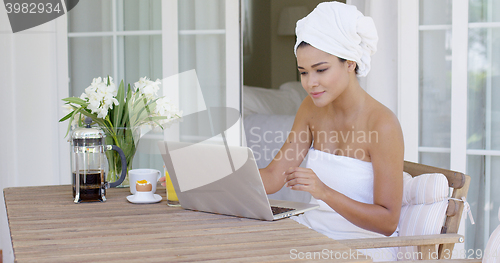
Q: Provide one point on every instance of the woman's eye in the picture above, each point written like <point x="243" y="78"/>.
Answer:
<point x="321" y="70"/>
<point x="303" y="73"/>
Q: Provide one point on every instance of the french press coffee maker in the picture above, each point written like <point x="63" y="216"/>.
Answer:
<point x="89" y="164"/>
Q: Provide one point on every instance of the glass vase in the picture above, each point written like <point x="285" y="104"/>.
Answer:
<point x="127" y="139"/>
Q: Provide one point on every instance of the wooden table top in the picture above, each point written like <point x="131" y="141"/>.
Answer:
<point x="46" y="226"/>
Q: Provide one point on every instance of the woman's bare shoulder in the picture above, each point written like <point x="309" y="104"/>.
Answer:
<point x="307" y="103"/>
<point x="382" y="119"/>
<point x="306" y="109"/>
<point x="387" y="150"/>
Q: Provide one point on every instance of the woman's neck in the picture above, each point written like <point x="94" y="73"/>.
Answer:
<point x="350" y="101"/>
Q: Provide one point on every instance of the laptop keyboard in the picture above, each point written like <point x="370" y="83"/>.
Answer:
<point x="278" y="210"/>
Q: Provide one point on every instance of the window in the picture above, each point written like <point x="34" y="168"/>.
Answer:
<point x="129" y="39"/>
<point x="435" y="60"/>
<point x="483" y="117"/>
<point x="456" y="47"/>
<point x="119" y="38"/>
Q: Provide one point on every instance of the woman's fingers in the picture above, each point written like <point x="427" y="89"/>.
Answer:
<point x="299" y="187"/>
<point x="162" y="180"/>
<point x="295" y="181"/>
<point x="294" y="172"/>
<point x="296" y="169"/>
<point x="298" y="176"/>
<point x="304" y="179"/>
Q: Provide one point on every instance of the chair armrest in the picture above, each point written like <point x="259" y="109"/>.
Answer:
<point x="403" y="241"/>
<point x="444" y="261"/>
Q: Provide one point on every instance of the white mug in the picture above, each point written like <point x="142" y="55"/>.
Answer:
<point x="150" y="175"/>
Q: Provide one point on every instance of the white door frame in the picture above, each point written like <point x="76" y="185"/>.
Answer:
<point x="409" y="84"/>
<point x="170" y="42"/>
<point x="408" y="76"/>
<point x="409" y="81"/>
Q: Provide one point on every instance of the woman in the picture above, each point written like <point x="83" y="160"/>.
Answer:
<point x="354" y="143"/>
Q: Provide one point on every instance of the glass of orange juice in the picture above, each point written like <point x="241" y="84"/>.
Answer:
<point x="172" y="199"/>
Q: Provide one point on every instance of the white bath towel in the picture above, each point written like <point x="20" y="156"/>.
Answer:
<point x="354" y="179"/>
<point x="340" y="30"/>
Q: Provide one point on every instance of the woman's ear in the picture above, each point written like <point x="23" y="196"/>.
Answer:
<point x="351" y="65"/>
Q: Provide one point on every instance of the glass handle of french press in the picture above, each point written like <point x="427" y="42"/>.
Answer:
<point x="124" y="166"/>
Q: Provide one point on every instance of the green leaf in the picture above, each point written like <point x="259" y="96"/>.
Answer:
<point x="135" y="109"/>
<point x="103" y="125"/>
<point x="118" y="109"/>
<point x="141" y="111"/>
<point x="73" y="113"/>
<point x="126" y="107"/>
<point x="157" y="118"/>
<point x="66" y="117"/>
<point x="76" y="100"/>
<point x="125" y="120"/>
<point x="111" y="114"/>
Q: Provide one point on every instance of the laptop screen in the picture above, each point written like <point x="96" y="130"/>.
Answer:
<point x="198" y="164"/>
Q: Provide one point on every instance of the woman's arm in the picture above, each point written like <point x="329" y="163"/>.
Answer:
<point x="386" y="153"/>
<point x="293" y="151"/>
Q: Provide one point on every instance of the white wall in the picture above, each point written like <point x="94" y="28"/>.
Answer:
<point x="382" y="81"/>
<point x="32" y="88"/>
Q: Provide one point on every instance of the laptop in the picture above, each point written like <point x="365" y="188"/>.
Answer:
<point x="222" y="179"/>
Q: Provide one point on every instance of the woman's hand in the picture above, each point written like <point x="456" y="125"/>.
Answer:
<point x="162" y="180"/>
<point x="304" y="179"/>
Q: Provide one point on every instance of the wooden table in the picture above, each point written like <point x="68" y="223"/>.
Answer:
<point x="46" y="226"/>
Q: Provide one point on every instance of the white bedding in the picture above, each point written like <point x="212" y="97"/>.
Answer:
<point x="268" y="118"/>
<point x="283" y="101"/>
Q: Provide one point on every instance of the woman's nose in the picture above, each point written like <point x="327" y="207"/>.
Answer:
<point x="312" y="81"/>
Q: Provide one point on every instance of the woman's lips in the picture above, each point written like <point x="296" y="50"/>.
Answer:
<point x="317" y="94"/>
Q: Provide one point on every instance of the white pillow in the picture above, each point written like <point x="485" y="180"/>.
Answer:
<point x="492" y="250"/>
<point x="295" y="90"/>
<point x="268" y="101"/>
<point x="425" y="200"/>
<point x="424" y="189"/>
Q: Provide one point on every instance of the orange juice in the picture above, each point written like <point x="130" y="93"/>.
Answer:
<point x="172" y="198"/>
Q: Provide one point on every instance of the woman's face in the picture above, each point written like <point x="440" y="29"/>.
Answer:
<point x="323" y="75"/>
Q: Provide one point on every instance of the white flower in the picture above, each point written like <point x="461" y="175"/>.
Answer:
<point x="147" y="88"/>
<point x="101" y="96"/>
<point x="102" y="112"/>
<point x="165" y="108"/>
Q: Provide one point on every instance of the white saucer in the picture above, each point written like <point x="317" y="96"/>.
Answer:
<point x="144" y="198"/>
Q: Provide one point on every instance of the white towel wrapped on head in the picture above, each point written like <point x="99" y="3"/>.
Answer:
<point x="340" y="30"/>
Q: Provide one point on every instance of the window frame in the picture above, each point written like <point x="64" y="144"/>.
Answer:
<point x="234" y="81"/>
<point x="408" y="89"/>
